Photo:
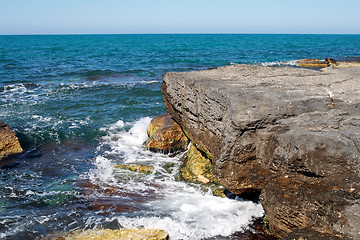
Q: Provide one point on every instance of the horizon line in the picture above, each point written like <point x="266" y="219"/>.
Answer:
<point x="175" y="33"/>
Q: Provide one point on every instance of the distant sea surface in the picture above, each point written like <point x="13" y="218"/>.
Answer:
<point x="81" y="104"/>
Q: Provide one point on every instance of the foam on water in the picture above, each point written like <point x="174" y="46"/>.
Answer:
<point x="103" y="172"/>
<point x="19" y="93"/>
<point x="279" y="64"/>
<point x="183" y="210"/>
<point x="192" y="215"/>
<point x="129" y="143"/>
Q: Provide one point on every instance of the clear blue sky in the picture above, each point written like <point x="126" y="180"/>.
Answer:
<point x="185" y="16"/>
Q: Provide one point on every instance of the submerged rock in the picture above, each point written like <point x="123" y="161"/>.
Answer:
<point x="136" y="168"/>
<point x="166" y="135"/>
<point x="9" y="143"/>
<point x="291" y="133"/>
<point x="120" y="234"/>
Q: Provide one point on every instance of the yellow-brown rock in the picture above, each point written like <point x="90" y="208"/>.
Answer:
<point x="9" y="143"/>
<point x="136" y="168"/>
<point x="120" y="234"/>
<point x="197" y="168"/>
<point x="312" y="63"/>
<point x="219" y="192"/>
<point x="166" y="135"/>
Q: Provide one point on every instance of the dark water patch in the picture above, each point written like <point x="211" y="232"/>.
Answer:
<point x="39" y="195"/>
<point x="113" y="78"/>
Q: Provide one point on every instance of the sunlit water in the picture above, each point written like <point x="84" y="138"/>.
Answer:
<point x="81" y="104"/>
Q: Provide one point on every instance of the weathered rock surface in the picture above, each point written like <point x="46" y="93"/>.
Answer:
<point x="197" y="168"/>
<point x="315" y="63"/>
<point x="9" y="143"/>
<point x="291" y="133"/>
<point x="166" y="135"/>
<point x="120" y="234"/>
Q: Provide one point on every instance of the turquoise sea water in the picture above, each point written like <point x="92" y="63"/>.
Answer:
<point x="81" y="103"/>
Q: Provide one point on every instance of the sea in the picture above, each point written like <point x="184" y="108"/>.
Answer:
<point x="81" y="104"/>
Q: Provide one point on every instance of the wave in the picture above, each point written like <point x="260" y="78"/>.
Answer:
<point x="21" y="87"/>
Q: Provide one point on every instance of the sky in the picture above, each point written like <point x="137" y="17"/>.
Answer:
<point x="185" y="16"/>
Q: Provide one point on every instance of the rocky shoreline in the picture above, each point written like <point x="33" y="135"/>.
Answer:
<point x="289" y="134"/>
<point x="289" y="137"/>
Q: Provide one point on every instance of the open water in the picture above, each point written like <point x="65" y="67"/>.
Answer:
<point x="81" y="104"/>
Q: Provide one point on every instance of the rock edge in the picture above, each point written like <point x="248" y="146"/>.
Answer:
<point x="291" y="133"/>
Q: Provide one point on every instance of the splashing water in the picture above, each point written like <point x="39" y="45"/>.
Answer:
<point x="181" y="209"/>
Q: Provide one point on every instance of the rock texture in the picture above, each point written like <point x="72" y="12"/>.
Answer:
<point x="315" y="63"/>
<point x="9" y="143"/>
<point x="120" y="234"/>
<point x="291" y="133"/>
<point x="166" y="135"/>
<point x="197" y="168"/>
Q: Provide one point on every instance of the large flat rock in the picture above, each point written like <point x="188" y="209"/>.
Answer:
<point x="260" y="125"/>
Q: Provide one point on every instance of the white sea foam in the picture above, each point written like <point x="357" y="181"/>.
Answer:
<point x="103" y="172"/>
<point x="20" y="88"/>
<point x="181" y="209"/>
<point x="191" y="215"/>
<point x="127" y="143"/>
<point x="279" y="64"/>
<point x="19" y="93"/>
<point x="149" y="82"/>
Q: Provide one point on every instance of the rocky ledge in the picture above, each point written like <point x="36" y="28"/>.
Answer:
<point x="9" y="143"/>
<point x="291" y="134"/>
<point x="108" y="234"/>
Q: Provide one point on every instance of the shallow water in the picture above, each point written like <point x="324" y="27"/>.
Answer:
<point x="81" y="104"/>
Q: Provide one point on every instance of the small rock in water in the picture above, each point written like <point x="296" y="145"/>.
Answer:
<point x="165" y="135"/>
<point x="9" y="143"/>
<point x="314" y="63"/>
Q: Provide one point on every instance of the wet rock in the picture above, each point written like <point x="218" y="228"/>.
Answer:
<point x="291" y="133"/>
<point x="219" y="192"/>
<point x="166" y="135"/>
<point x="196" y="167"/>
<point x="9" y="143"/>
<point x="314" y="63"/>
<point x="136" y="168"/>
<point x="120" y="234"/>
